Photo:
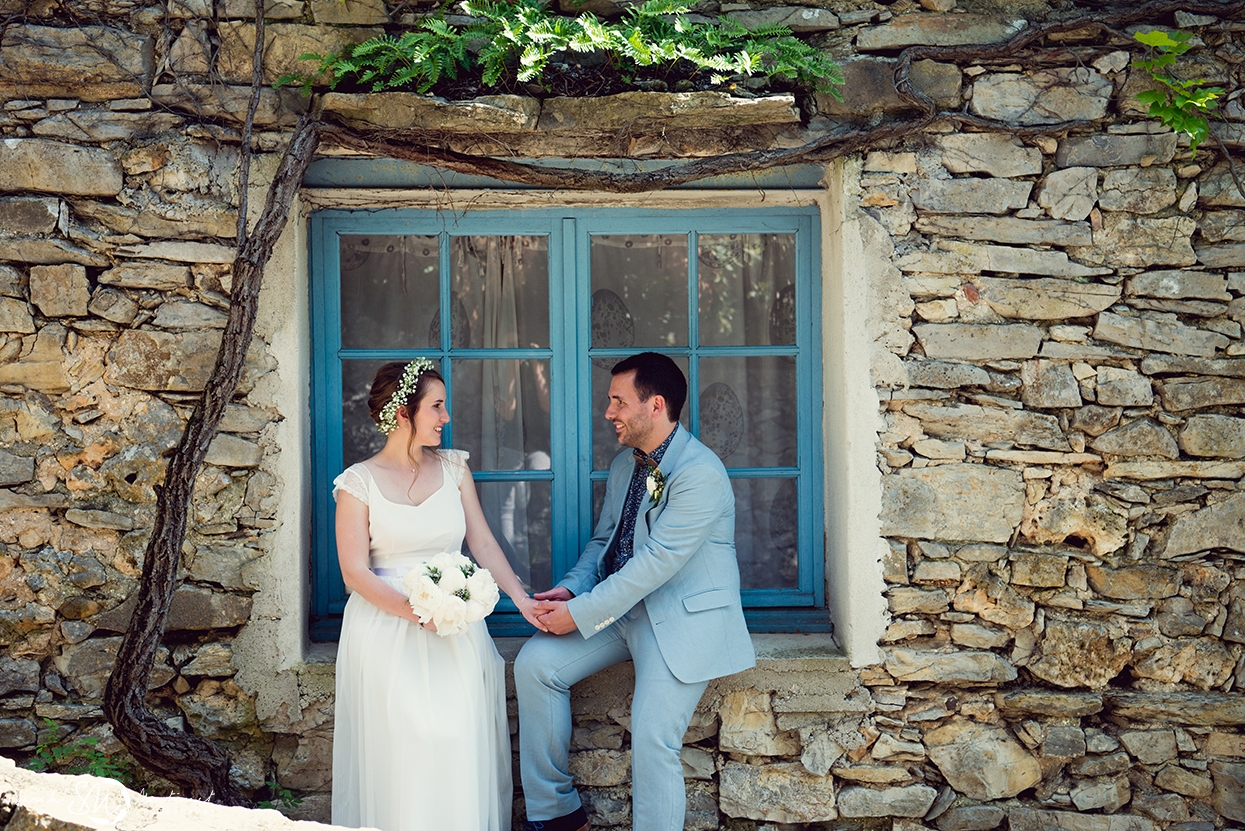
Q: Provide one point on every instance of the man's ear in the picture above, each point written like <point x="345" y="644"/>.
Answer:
<point x="657" y="404"/>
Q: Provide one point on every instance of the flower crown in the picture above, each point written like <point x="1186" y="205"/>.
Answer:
<point x="406" y="388"/>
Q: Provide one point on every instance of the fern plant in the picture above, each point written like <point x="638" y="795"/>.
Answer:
<point x="55" y="754"/>
<point x="519" y="39"/>
<point x="1181" y="105"/>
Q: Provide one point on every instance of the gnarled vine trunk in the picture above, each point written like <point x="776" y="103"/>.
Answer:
<point x="197" y="765"/>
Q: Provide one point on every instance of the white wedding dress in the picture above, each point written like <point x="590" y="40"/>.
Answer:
<point x="421" y="740"/>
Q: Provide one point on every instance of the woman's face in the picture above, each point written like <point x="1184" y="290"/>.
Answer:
<point x="430" y="416"/>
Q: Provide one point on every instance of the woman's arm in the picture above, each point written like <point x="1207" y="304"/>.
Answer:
<point x="488" y="553"/>
<point x="352" y="556"/>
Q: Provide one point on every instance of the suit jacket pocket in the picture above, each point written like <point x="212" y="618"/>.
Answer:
<point x="711" y="599"/>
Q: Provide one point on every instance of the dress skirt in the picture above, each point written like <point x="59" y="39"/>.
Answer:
<point x="421" y="740"/>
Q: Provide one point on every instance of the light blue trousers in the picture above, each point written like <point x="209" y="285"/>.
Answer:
<point x="661" y="709"/>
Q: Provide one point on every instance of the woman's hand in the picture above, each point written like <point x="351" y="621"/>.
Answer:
<point x="409" y="614"/>
<point x="527" y="607"/>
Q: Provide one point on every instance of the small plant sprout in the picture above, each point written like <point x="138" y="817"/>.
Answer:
<point x="1179" y="104"/>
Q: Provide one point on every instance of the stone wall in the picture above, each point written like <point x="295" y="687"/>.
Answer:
<point x="1057" y="354"/>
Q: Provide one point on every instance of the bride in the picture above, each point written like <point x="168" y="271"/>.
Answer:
<point x="421" y="740"/>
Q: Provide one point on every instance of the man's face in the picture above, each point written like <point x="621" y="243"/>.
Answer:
<point x="634" y="420"/>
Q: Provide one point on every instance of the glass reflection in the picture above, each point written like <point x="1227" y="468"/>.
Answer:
<point x="747" y="289"/>
<point x="639" y="290"/>
<point x="500" y="291"/>
<point x="500" y="412"/>
<point x="389" y="290"/>
<point x="360" y="437"/>
<point x="520" y="518"/>
<point x="766" y="532"/>
<point x="748" y="410"/>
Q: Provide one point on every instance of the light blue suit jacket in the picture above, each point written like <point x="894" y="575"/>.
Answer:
<point x="683" y="565"/>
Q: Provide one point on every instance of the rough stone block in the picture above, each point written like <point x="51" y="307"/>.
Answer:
<point x="748" y="726"/>
<point x="1143" y="190"/>
<point x="967" y="341"/>
<point x="1228" y="798"/>
<point x="1158" y="335"/>
<point x="1046" y="96"/>
<point x="982" y="761"/>
<point x="936" y="30"/>
<point x="963" y="667"/>
<point x="27" y="216"/>
<point x="1105" y="150"/>
<point x="869" y="87"/>
<point x="953" y="502"/>
<point x="971" y="196"/>
<point x="905" y="801"/>
<point x="56" y="167"/>
<point x="1045" y="298"/>
<point x="60" y="290"/>
<point x="92" y="63"/>
<point x="1079" y="652"/>
<point x="1221" y="525"/>
<point x="1143" y="437"/>
<point x="1049" y="384"/>
<point x="15" y="317"/>
<point x="1069" y="194"/>
<point x="783" y="792"/>
<point x="1123" y="388"/>
<point x="989" y="153"/>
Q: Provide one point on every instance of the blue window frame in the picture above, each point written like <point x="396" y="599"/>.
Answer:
<point x="525" y="313"/>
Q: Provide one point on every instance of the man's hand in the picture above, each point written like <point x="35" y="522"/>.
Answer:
<point x="555" y="616"/>
<point x="556" y="593"/>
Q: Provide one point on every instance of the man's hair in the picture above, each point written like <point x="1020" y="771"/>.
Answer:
<point x="656" y="375"/>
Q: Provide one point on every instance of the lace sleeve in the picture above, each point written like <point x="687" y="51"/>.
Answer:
<point x="352" y="482"/>
<point x="456" y="462"/>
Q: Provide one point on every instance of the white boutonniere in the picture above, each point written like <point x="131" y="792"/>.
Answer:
<point x="655" y="484"/>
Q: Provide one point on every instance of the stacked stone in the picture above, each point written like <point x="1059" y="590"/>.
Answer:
<point x="1062" y="461"/>
<point x="117" y="218"/>
<point x="1060" y="363"/>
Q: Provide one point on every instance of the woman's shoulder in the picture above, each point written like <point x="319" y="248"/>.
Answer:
<point x="456" y="461"/>
<point x="354" y="481"/>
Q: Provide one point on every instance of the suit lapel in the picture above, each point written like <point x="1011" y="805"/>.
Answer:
<point x="669" y="460"/>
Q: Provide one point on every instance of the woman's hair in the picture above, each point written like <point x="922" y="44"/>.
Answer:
<point x="386" y="382"/>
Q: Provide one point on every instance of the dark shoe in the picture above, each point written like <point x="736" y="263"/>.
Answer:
<point x="576" y="820"/>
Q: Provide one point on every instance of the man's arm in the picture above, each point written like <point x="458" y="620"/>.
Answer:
<point x="584" y="575"/>
<point x="697" y="498"/>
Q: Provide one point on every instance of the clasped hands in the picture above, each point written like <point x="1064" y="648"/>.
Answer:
<point x="547" y="611"/>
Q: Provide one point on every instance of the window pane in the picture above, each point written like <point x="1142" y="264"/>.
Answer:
<point x="605" y="444"/>
<point x="747" y="289"/>
<point x="389" y="292"/>
<point x="500" y="413"/>
<point x="639" y="291"/>
<point x="360" y="436"/>
<point x="501" y="290"/>
<point x="748" y="410"/>
<point x="518" y="514"/>
<point x="766" y="536"/>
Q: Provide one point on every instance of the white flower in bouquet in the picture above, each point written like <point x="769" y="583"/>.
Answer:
<point x="451" y="591"/>
<point x="451" y="616"/>
<point x="452" y="580"/>
<point x="424" y="593"/>
<point x="482" y="589"/>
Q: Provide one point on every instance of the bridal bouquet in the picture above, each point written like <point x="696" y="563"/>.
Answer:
<point x="451" y="591"/>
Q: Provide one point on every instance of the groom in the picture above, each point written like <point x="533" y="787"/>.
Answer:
<point x="657" y="584"/>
